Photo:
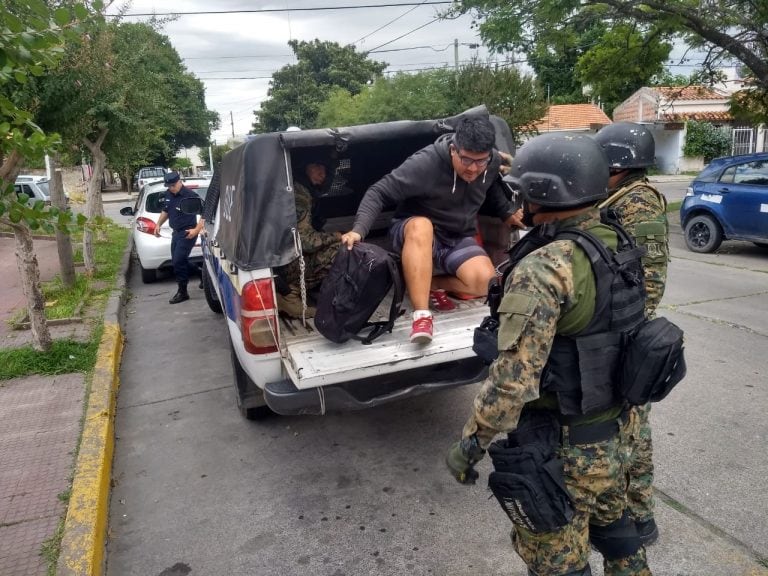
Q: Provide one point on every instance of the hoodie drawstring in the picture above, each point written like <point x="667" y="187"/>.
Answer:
<point x="454" y="182"/>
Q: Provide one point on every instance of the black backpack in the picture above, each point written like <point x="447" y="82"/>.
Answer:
<point x="357" y="282"/>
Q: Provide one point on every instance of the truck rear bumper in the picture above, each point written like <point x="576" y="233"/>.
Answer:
<point x="284" y="398"/>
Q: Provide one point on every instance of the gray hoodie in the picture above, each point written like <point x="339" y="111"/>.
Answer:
<point x="426" y="185"/>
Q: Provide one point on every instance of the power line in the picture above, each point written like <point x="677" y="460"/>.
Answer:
<point x="404" y="35"/>
<point x="387" y="24"/>
<point x="267" y="10"/>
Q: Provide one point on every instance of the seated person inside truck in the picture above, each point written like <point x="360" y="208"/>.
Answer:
<point x="438" y="192"/>
<point x="318" y="248"/>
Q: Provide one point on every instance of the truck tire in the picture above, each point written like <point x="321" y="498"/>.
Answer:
<point x="250" y="399"/>
<point x="210" y="292"/>
<point x="147" y="276"/>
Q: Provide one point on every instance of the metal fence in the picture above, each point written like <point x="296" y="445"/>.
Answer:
<point x="742" y="141"/>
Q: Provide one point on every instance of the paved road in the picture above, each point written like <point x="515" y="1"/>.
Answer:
<point x="198" y="490"/>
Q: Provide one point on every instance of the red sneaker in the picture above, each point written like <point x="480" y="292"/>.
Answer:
<point x="438" y="299"/>
<point x="421" y="330"/>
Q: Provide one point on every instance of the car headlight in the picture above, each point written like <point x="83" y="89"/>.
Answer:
<point x="689" y="191"/>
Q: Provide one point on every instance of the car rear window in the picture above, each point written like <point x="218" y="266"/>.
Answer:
<point x="710" y="173"/>
<point x="155" y="202"/>
<point x="755" y="173"/>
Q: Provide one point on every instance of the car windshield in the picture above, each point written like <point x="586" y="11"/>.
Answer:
<point x="43" y="185"/>
<point x="152" y="173"/>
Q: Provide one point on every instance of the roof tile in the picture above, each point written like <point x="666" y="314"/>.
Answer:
<point x="571" y="117"/>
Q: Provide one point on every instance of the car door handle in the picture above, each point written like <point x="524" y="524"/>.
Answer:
<point x="724" y="190"/>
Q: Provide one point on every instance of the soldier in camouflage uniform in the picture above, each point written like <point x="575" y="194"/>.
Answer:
<point x="551" y="294"/>
<point x="318" y="248"/>
<point x="642" y="211"/>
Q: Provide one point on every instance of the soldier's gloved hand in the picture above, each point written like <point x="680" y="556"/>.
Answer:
<point x="462" y="457"/>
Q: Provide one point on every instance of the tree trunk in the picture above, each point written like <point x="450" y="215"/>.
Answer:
<point x="63" y="240"/>
<point x="30" y="283"/>
<point x="93" y="204"/>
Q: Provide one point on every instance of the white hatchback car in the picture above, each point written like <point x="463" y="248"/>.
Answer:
<point x="155" y="252"/>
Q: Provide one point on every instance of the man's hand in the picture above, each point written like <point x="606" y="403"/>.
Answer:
<point x="506" y="163"/>
<point x="350" y="239"/>
<point x="192" y="233"/>
<point x="462" y="457"/>
<point x="515" y="220"/>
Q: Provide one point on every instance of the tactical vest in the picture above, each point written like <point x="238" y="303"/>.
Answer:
<point x="582" y="370"/>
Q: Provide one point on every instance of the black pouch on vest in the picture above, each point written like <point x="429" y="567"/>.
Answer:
<point x="486" y="340"/>
<point x="528" y="481"/>
<point x="654" y="362"/>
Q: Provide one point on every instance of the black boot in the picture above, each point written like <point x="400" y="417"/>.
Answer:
<point x="180" y="295"/>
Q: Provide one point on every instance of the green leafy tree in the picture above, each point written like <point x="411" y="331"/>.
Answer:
<point x="124" y="93"/>
<point x="734" y="29"/>
<point x="33" y="36"/>
<point x="297" y="90"/>
<point x="438" y="94"/>
<point x="639" y="56"/>
<point x="705" y="139"/>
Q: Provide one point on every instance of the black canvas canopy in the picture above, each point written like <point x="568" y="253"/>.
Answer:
<point x="257" y="208"/>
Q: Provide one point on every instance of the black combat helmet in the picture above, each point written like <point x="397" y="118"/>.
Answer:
<point x="627" y="145"/>
<point x="561" y="171"/>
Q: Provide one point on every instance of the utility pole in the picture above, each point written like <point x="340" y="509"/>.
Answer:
<point x="232" y="124"/>
<point x="210" y="155"/>
<point x="456" y="58"/>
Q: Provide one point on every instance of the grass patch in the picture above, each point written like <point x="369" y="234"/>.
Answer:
<point x="674" y="206"/>
<point x="63" y="302"/>
<point x="64" y="357"/>
<point x="51" y="548"/>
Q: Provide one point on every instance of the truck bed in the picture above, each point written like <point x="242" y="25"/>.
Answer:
<point x="312" y="361"/>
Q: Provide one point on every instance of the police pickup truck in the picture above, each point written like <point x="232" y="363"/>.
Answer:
<point x="282" y="365"/>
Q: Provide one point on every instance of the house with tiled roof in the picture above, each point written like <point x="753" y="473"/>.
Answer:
<point x="666" y="109"/>
<point x="571" y="118"/>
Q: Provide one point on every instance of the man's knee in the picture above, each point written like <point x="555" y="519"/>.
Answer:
<point x="616" y="540"/>
<point x="476" y="273"/>
<point x="418" y="229"/>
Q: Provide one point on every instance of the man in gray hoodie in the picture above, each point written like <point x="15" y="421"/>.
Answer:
<point x="438" y="192"/>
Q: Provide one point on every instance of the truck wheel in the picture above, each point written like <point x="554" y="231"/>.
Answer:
<point x="703" y="234"/>
<point x="147" y="276"/>
<point x="250" y="399"/>
<point x="210" y="292"/>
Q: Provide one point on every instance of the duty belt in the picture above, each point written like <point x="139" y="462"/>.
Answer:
<point x="593" y="433"/>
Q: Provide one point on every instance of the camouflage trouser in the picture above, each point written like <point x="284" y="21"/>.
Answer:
<point x="595" y="476"/>
<point x="640" y="469"/>
<point x="316" y="266"/>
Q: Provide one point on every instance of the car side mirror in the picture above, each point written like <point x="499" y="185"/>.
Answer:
<point x="127" y="211"/>
<point x="191" y="205"/>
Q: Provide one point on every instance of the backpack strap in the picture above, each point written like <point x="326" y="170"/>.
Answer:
<point x="394" y="309"/>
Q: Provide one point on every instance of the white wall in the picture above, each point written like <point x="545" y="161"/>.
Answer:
<point x="668" y="148"/>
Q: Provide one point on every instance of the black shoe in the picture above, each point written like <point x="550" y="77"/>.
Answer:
<point x="178" y="297"/>
<point x="648" y="531"/>
<point x="201" y="284"/>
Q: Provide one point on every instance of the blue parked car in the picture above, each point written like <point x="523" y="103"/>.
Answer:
<point x="728" y="200"/>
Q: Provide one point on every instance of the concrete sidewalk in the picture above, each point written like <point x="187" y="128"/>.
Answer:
<point x="40" y="435"/>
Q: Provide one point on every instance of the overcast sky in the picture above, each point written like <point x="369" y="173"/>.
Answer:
<point x="253" y="46"/>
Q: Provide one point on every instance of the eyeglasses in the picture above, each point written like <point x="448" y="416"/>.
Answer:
<point x="466" y="161"/>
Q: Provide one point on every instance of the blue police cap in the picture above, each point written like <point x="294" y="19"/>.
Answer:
<point x="171" y="177"/>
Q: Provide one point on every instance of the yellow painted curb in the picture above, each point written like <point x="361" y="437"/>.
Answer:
<point x="85" y="529"/>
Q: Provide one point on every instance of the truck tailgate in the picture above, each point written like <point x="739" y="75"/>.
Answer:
<point x="311" y="360"/>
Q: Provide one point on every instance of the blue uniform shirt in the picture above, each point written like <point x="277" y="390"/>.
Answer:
<point x="176" y="218"/>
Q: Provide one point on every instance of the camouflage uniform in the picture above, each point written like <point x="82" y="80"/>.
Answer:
<point x="318" y="248"/>
<point x="552" y="291"/>
<point x="641" y="210"/>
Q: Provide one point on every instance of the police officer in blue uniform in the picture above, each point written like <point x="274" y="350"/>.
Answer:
<point x="185" y="230"/>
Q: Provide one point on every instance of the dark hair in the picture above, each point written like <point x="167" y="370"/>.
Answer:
<point x="474" y="134"/>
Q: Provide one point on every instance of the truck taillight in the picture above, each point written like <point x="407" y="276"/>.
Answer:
<point x="145" y="225"/>
<point x="258" y="317"/>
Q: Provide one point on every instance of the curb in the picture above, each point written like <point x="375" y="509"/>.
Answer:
<point x="85" y="528"/>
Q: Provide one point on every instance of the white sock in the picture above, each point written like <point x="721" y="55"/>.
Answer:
<point x="417" y="314"/>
